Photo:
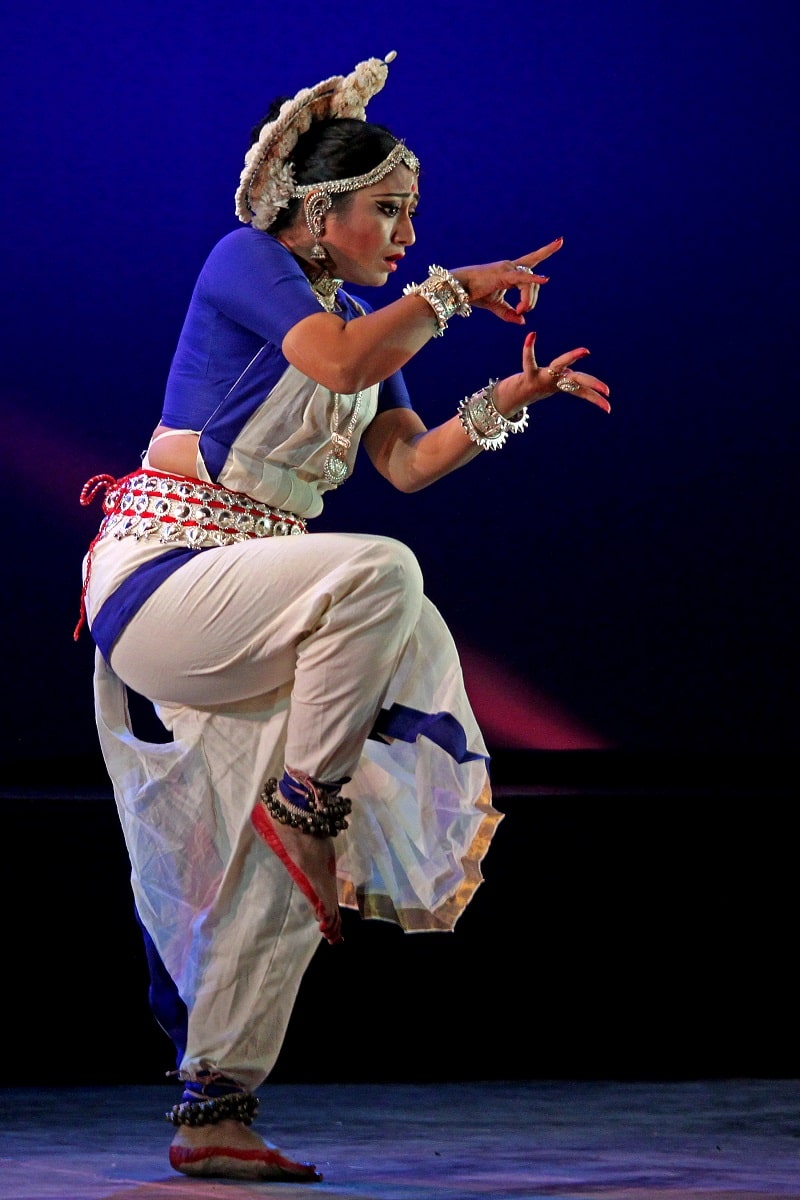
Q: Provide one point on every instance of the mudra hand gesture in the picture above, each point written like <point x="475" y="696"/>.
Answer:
<point x="536" y="382"/>
<point x="487" y="285"/>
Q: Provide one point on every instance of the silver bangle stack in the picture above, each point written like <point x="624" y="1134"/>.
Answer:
<point x="483" y="422"/>
<point x="445" y="295"/>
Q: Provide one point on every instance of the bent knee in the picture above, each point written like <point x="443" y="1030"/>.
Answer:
<point x="393" y="571"/>
<point x="400" y="566"/>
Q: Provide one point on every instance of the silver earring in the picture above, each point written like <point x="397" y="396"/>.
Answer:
<point x="315" y="206"/>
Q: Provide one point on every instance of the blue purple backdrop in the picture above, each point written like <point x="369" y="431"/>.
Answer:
<point x="619" y="582"/>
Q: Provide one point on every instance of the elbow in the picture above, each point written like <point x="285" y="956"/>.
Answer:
<point x="346" y="380"/>
<point x="410" y="486"/>
<point x="410" y="482"/>
<point x="338" y="372"/>
<point x="319" y="349"/>
<point x="406" y="486"/>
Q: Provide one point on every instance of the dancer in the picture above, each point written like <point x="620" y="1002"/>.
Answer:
<point x="324" y="752"/>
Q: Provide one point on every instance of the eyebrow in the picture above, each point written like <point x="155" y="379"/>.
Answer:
<point x="401" y="195"/>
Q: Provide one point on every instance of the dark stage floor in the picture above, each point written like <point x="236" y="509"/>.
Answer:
<point x="720" y="1140"/>
<point x="623" y="986"/>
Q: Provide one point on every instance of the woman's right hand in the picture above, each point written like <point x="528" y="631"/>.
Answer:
<point x="487" y="285"/>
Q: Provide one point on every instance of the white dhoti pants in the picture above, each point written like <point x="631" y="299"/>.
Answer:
<point x="273" y="652"/>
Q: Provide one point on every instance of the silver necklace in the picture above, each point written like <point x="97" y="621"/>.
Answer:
<point x="325" y="289"/>
<point x="335" y="466"/>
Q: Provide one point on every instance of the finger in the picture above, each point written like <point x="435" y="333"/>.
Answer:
<point x="593" y="398"/>
<point x="586" y="387"/>
<point x="530" y="272"/>
<point x="495" y="303"/>
<point x="520" y="277"/>
<point x="506" y="313"/>
<point x="537" y="256"/>
<point x="529" y="353"/>
<point x="589" y="381"/>
<point x="528" y="297"/>
<point x="566" y="360"/>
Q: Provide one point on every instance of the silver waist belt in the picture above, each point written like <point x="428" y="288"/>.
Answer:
<point x="176" y="510"/>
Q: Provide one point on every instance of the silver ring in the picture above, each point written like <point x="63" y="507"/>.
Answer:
<point x="567" y="385"/>
<point x="527" y="270"/>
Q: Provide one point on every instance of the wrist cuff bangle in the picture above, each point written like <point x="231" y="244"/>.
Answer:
<point x="444" y="294"/>
<point x="483" y="422"/>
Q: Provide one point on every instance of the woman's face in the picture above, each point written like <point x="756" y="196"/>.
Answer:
<point x="366" y="237"/>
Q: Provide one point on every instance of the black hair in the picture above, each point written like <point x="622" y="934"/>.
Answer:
<point x="336" y="148"/>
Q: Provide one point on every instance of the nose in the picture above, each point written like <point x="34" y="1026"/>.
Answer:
<point x="404" y="233"/>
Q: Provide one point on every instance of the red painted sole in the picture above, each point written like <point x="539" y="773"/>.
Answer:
<point x="229" y="1163"/>
<point x="262" y="823"/>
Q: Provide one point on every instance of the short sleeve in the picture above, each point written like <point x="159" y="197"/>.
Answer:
<point x="253" y="280"/>
<point x="394" y="393"/>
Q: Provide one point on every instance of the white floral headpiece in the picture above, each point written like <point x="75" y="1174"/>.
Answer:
<point x="267" y="182"/>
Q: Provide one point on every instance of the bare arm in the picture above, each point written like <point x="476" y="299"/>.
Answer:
<point x="348" y="356"/>
<point x="411" y="457"/>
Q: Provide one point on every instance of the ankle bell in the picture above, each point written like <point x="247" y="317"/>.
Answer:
<point x="305" y="804"/>
<point x="236" y="1106"/>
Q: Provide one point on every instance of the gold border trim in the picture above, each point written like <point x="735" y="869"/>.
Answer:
<point x="379" y="906"/>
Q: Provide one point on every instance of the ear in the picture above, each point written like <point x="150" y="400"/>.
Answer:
<point x="315" y="206"/>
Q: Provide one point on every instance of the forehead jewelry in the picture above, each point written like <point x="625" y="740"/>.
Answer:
<point x="399" y="153"/>
<point x="318" y="196"/>
<point x="267" y="183"/>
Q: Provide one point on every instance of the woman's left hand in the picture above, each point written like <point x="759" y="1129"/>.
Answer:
<point x="535" y="382"/>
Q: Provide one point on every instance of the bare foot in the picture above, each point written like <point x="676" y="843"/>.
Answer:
<point x="311" y="862"/>
<point x="231" y="1150"/>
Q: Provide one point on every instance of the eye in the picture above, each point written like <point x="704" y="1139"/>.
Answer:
<point x="393" y="210"/>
